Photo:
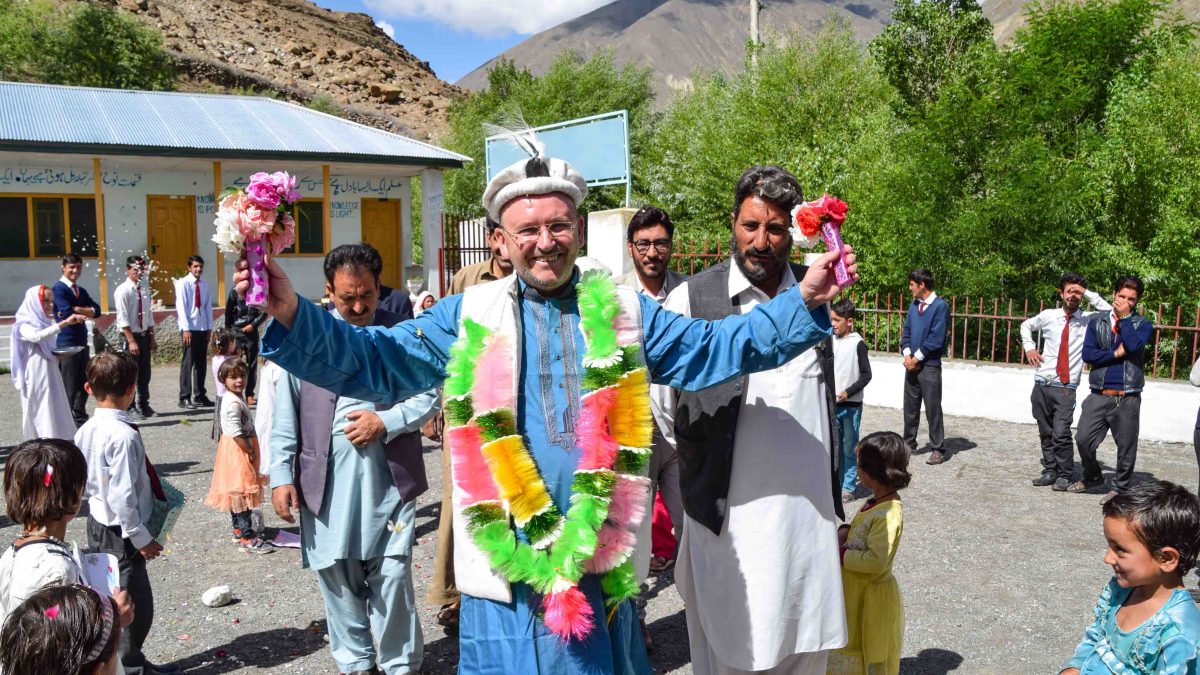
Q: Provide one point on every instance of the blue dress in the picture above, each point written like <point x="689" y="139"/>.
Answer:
<point x="391" y="364"/>
<point x="1165" y="644"/>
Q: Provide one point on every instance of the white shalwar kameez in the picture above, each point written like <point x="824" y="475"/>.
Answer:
<point x="766" y="595"/>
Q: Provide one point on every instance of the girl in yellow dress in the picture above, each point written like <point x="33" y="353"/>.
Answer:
<point x="874" y="610"/>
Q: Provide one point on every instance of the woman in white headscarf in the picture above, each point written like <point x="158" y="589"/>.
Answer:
<point x="424" y="301"/>
<point x="35" y="367"/>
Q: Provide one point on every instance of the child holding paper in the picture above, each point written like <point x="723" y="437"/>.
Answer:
<point x="44" y="481"/>
<point x="236" y="482"/>
<point x="122" y="487"/>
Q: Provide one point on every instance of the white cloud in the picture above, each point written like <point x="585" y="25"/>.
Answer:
<point x="488" y="17"/>
<point x="387" y="28"/>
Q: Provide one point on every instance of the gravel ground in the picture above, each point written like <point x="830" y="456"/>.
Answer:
<point x="997" y="576"/>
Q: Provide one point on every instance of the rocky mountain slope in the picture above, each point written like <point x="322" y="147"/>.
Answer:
<point x="299" y="51"/>
<point x="678" y="37"/>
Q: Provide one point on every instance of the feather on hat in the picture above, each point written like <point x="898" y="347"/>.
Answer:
<point x="538" y="175"/>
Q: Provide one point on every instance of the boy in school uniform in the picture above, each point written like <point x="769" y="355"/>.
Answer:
<point x="121" y="488"/>
<point x="851" y="374"/>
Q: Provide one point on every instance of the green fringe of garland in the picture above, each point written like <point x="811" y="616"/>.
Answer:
<point x="594" y="483"/>
<point x="598" y="306"/>
<point x="464" y="354"/>
<point x="542" y="526"/>
<point x="459" y="410"/>
<point x="619" y="584"/>
<point x="632" y="461"/>
<point x="496" y="424"/>
<point x="599" y="378"/>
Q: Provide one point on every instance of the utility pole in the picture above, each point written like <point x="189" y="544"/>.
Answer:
<point x="754" y="7"/>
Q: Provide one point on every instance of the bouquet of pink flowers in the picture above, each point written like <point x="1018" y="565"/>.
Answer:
<point x="257" y="220"/>
<point x="825" y="216"/>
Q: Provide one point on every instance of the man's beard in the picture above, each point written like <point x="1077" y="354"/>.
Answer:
<point x="753" y="271"/>
<point x="648" y="273"/>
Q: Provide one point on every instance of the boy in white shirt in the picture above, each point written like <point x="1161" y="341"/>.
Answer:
<point x="121" y="488"/>
<point x="851" y="373"/>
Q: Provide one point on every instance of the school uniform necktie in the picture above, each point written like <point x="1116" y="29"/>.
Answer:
<point x="197" y="287"/>
<point x="920" y="307"/>
<point x="140" y="327"/>
<point x="155" y="483"/>
<point x="1064" y="347"/>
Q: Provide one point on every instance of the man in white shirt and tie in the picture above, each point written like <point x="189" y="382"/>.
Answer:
<point x="1059" y="366"/>
<point x="193" y="307"/>
<point x="135" y="321"/>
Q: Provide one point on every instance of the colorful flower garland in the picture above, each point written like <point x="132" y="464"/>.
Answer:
<point x="499" y="478"/>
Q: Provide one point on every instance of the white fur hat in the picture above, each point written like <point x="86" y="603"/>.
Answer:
<point x="534" y="176"/>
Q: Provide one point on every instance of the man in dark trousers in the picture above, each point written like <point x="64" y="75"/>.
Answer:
<point x="245" y="321"/>
<point x="1114" y="346"/>
<point x="193" y="309"/>
<point x="71" y="298"/>
<point x="923" y="341"/>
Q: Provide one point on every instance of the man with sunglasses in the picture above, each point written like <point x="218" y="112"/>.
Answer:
<point x="536" y="202"/>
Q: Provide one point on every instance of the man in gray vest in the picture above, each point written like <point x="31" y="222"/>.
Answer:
<point x="758" y="564"/>
<point x="353" y="470"/>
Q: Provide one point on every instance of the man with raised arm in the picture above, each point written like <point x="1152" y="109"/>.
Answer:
<point x="548" y="421"/>
<point x="1059" y="366"/>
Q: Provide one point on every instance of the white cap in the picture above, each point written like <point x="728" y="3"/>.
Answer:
<point x="534" y="176"/>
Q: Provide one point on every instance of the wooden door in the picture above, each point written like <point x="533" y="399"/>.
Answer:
<point x="171" y="226"/>
<point x="381" y="229"/>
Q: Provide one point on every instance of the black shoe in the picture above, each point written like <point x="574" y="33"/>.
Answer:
<point x="204" y="402"/>
<point x="147" y="411"/>
<point x="1047" y="478"/>
<point x="185" y="404"/>
<point x="1085" y="484"/>
<point x="1061" y="485"/>
<point x="160" y="668"/>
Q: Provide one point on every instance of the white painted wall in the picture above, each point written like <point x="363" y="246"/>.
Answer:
<point x="432" y="202"/>
<point x="1002" y="393"/>
<point x="606" y="236"/>
<point x="128" y="182"/>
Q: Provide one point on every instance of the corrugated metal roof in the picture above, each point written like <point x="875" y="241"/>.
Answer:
<point x="52" y="118"/>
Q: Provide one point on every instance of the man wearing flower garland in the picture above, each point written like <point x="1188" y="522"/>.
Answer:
<point x="755" y="450"/>
<point x="534" y="357"/>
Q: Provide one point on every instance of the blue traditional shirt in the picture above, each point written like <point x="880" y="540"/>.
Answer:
<point x="362" y="515"/>
<point x="1166" y="644"/>
<point x="379" y="364"/>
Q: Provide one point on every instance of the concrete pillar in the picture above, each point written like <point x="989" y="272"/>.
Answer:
<point x="432" y="202"/>
<point x="606" y="239"/>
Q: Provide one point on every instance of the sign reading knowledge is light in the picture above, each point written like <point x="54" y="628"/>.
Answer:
<point x="597" y="146"/>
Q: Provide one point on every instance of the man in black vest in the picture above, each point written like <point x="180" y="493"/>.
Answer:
<point x="353" y="470"/>
<point x="759" y="480"/>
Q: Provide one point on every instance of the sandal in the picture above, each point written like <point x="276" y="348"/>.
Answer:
<point x="448" y="616"/>
<point x="660" y="564"/>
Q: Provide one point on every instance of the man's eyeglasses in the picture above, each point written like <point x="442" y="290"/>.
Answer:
<point x="660" y="245"/>
<point x="529" y="234"/>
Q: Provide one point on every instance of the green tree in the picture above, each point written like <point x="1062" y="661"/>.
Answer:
<point x="817" y="106"/>
<point x="570" y="89"/>
<point x="99" y="47"/>
<point x="22" y="24"/>
<point x="929" y="42"/>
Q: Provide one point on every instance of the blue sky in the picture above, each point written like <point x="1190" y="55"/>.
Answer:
<point x="456" y="36"/>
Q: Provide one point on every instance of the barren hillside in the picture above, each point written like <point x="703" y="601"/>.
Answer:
<point x="300" y="52"/>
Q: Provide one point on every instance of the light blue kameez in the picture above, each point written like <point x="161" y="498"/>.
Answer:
<point x="361" y="543"/>
<point x="389" y="364"/>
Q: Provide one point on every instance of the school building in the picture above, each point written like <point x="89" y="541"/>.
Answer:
<point x="111" y="173"/>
